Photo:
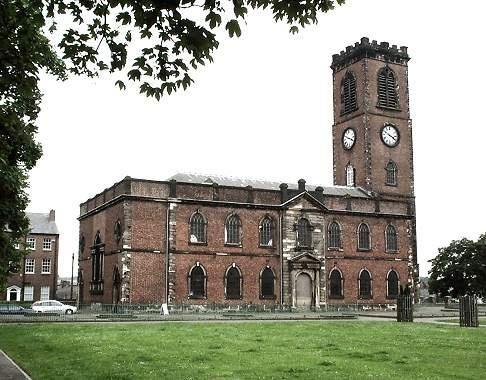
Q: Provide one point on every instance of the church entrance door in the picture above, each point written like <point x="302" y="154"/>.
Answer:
<point x="303" y="290"/>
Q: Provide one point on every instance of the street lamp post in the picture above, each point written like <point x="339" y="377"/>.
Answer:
<point x="72" y="276"/>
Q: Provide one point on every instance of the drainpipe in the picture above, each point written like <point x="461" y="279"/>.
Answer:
<point x="167" y="247"/>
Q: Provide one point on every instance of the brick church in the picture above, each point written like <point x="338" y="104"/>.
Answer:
<point x="217" y="240"/>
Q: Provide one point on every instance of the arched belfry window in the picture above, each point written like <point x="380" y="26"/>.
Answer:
<point x="233" y="230"/>
<point x="197" y="228"/>
<point x="334" y="236"/>
<point x="304" y="233"/>
<point x="350" y="175"/>
<point x="266" y="232"/>
<point x="365" y="284"/>
<point x="364" y="242"/>
<point x="387" y="89"/>
<point x="233" y="282"/>
<point x="391" y="173"/>
<point x="391" y="239"/>
<point x="335" y="284"/>
<point x="349" y="99"/>
<point x="197" y="281"/>
<point x="392" y="284"/>
<point x="267" y="283"/>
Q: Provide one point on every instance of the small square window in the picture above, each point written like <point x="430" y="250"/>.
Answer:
<point x="47" y="244"/>
<point x="46" y="266"/>
<point x="29" y="266"/>
<point x="31" y="243"/>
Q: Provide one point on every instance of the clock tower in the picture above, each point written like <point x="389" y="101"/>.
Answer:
<point x="372" y="131"/>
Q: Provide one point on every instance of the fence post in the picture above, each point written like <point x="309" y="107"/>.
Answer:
<point x="468" y="311"/>
<point x="404" y="308"/>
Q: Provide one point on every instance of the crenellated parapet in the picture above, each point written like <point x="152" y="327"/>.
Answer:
<point x="366" y="49"/>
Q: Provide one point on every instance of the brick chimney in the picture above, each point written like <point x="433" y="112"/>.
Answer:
<point x="52" y="216"/>
<point x="301" y="184"/>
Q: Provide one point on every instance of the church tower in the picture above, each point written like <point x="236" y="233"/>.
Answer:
<point x="372" y="131"/>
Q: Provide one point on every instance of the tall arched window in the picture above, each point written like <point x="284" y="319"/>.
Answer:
<point x="334" y="236"/>
<point x="387" y="89"/>
<point x="97" y="261"/>
<point x="233" y="230"/>
<point x="392" y="284"/>
<point x="266" y="232"/>
<point x="304" y="233"/>
<point x="197" y="233"/>
<point x="349" y="101"/>
<point x="267" y="283"/>
<point x="335" y="284"/>
<point x="391" y="173"/>
<point x="365" y="284"/>
<point x="197" y="282"/>
<point x="233" y="282"/>
<point x="391" y="239"/>
<point x="350" y="175"/>
<point x="364" y="237"/>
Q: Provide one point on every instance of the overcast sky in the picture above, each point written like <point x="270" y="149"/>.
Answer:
<point x="263" y="109"/>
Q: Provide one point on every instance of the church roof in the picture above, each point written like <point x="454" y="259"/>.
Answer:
<point x="340" y="191"/>
<point x="40" y="224"/>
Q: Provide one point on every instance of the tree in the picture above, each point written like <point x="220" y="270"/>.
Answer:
<point x="460" y="269"/>
<point x="156" y="43"/>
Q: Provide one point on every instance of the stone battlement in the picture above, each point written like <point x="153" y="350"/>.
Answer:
<point x="366" y="49"/>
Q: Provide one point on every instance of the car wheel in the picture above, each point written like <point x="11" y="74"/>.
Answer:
<point x="69" y="311"/>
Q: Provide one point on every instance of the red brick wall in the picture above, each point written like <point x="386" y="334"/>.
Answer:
<point x="147" y="277"/>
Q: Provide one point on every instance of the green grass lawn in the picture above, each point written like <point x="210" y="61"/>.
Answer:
<point x="269" y="350"/>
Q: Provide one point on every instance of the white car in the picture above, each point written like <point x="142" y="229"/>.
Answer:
<point x="52" y="306"/>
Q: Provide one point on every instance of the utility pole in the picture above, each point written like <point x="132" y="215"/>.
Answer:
<point x="72" y="276"/>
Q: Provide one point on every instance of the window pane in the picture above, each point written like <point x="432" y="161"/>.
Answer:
<point x="28" y="293"/>
<point x="266" y="232"/>
<point x="233" y="284"/>
<point x="336" y="287"/>
<point x="268" y="283"/>
<point x="334" y="235"/>
<point x="44" y="293"/>
<point x="365" y="284"/>
<point x="47" y="244"/>
<point x="198" y="225"/>
<point x="392" y="284"/>
<point x="197" y="282"/>
<point x="29" y="266"/>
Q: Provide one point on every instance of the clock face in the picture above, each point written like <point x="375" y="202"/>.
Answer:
<point x="390" y="135"/>
<point x="349" y="138"/>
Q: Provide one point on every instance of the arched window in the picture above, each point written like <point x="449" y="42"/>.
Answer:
<point x="197" y="282"/>
<point x="267" y="283"/>
<point x="387" y="89"/>
<point x="364" y="237"/>
<point x="304" y="233"/>
<point x="350" y="175"/>
<point x="233" y="283"/>
<point x="233" y="230"/>
<point x="365" y="284"/>
<point x="392" y="284"/>
<point x="97" y="261"/>
<point x="266" y="232"/>
<point x="334" y="236"/>
<point x="391" y="173"/>
<point x="335" y="284"/>
<point x="349" y="101"/>
<point x="197" y="228"/>
<point x="391" y="239"/>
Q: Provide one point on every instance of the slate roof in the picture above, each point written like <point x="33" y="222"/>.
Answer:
<point x="341" y="191"/>
<point x="40" y="224"/>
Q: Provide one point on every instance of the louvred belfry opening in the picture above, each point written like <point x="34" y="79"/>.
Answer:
<point x="387" y="89"/>
<point x="349" y="102"/>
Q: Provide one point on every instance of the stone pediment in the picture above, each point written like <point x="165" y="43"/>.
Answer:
<point x="304" y="201"/>
<point x="305" y="260"/>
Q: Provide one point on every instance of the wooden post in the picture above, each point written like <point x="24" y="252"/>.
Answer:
<point x="404" y="308"/>
<point x="468" y="311"/>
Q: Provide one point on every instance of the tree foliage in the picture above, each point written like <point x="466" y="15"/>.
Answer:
<point x="158" y="42"/>
<point x="460" y="269"/>
<point x="155" y="43"/>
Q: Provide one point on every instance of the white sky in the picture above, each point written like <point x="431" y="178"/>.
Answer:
<point x="264" y="110"/>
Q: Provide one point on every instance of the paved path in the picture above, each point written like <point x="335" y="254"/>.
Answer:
<point x="9" y="370"/>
